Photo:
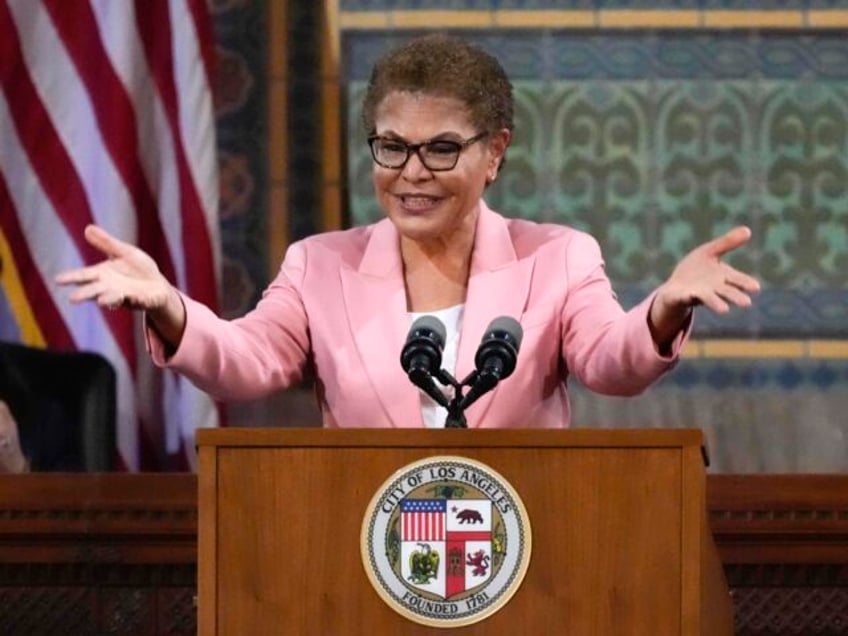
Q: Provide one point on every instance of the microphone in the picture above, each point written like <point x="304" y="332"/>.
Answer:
<point x="496" y="357"/>
<point x="421" y="356"/>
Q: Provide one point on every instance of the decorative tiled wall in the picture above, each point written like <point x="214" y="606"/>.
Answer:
<point x="654" y="142"/>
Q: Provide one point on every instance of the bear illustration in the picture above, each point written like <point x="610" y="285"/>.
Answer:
<point x="469" y="515"/>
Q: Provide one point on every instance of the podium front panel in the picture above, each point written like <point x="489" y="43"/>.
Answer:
<point x="611" y="516"/>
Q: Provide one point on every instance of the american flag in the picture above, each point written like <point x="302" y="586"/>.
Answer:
<point x="106" y="116"/>
<point x="422" y="519"/>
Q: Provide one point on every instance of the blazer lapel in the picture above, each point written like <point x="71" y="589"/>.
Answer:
<point x="375" y="299"/>
<point x="498" y="285"/>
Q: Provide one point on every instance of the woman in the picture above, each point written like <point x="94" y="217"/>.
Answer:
<point x="439" y="114"/>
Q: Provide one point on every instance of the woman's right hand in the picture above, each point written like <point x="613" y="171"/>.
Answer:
<point x="130" y="278"/>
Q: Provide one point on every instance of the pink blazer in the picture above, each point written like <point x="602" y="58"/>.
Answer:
<point x="339" y="305"/>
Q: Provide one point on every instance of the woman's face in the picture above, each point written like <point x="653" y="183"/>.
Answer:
<point x="427" y="205"/>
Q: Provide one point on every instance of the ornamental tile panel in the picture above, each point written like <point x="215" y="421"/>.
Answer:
<point x="655" y="142"/>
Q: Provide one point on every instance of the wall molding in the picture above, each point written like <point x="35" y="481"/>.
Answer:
<point x="597" y="19"/>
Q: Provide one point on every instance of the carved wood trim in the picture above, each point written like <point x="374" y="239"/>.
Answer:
<point x="788" y="519"/>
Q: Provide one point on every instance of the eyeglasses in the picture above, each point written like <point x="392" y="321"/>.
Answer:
<point x="437" y="155"/>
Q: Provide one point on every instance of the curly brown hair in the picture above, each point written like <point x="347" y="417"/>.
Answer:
<point x="445" y="66"/>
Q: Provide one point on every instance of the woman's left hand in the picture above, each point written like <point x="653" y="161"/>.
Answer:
<point x="701" y="278"/>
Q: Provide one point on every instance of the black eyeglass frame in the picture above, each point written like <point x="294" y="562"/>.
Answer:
<point x="416" y="148"/>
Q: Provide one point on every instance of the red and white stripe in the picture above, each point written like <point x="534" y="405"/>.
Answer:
<point x="423" y="526"/>
<point x="106" y="116"/>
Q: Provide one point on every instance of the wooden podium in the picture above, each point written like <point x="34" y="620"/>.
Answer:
<point x="620" y="540"/>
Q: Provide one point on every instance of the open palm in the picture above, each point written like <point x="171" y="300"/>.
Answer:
<point x="128" y="277"/>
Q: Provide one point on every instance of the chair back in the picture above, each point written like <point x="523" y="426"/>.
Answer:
<point x="65" y="406"/>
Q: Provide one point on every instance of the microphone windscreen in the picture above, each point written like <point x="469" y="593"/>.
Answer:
<point x="506" y="325"/>
<point x="428" y="324"/>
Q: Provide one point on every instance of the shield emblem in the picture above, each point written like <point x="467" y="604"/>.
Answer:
<point x="446" y="545"/>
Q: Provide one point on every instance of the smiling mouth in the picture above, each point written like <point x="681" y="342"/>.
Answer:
<point x="418" y="201"/>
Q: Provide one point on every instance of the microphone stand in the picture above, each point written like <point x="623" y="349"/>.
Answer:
<point x="456" y="416"/>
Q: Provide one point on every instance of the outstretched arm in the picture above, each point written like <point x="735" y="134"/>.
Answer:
<point x="701" y="278"/>
<point x="130" y="278"/>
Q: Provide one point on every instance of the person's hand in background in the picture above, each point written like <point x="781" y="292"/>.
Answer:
<point x="12" y="459"/>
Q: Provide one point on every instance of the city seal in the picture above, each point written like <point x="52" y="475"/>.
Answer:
<point x="446" y="541"/>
